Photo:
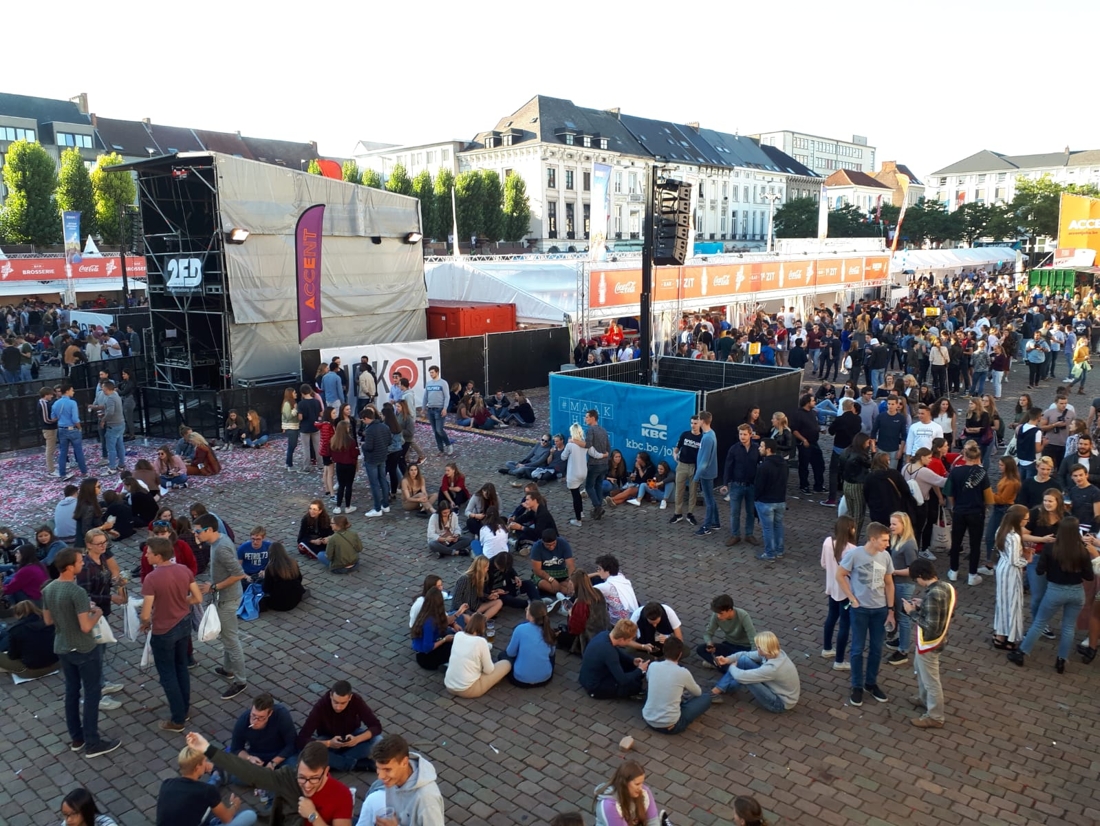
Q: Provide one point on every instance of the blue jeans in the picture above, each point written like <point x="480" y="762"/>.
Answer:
<point x="83" y="671"/>
<point x="690" y="711"/>
<point x="258" y="442"/>
<point x="435" y="417"/>
<point x="877" y="378"/>
<point x="656" y="494"/>
<point x="826" y="408"/>
<point x="867" y="622"/>
<point x="977" y="384"/>
<point x="904" y="589"/>
<point x="379" y="488"/>
<point x="761" y="692"/>
<point x="344" y="760"/>
<point x="710" y="507"/>
<point x="116" y="451"/>
<point x="323" y="559"/>
<point x="1081" y="376"/>
<point x="1027" y="472"/>
<point x="991" y="532"/>
<point x="1068" y="598"/>
<point x="291" y="446"/>
<point x="170" y="657"/>
<point x="1037" y="584"/>
<point x="593" y="485"/>
<point x="838" y="612"/>
<point x="742" y="493"/>
<point x="173" y="481"/>
<point x="245" y="817"/>
<point x="771" y="526"/>
<point x="75" y="438"/>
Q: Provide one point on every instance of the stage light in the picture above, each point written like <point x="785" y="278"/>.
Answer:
<point x="413" y="238"/>
<point x="237" y="235"/>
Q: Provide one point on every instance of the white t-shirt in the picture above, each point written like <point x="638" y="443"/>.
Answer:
<point x="493" y="543"/>
<point x="414" y="612"/>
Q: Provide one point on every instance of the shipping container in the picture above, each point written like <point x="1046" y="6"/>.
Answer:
<point x="454" y="319"/>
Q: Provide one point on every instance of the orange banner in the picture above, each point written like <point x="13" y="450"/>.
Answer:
<point x="1079" y="222"/>
<point x="53" y="269"/>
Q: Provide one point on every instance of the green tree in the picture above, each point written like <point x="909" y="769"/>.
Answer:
<point x="111" y="191"/>
<point x="469" y="202"/>
<point x="797" y="218"/>
<point x="1003" y="224"/>
<point x="443" y="217"/>
<point x="314" y="168"/>
<point x="351" y="172"/>
<point x="398" y="181"/>
<point x="29" y="215"/>
<point x="972" y="220"/>
<point x="423" y="189"/>
<point x="847" y="221"/>
<point x="372" y="179"/>
<point x="517" y="209"/>
<point x="1037" y="203"/>
<point x="74" y="190"/>
<point x="492" y="206"/>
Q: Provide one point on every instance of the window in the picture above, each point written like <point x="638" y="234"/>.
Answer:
<point x="618" y="181"/>
<point x="551" y="178"/>
<point x="701" y="190"/>
<point x="725" y="189"/>
<point x="507" y="172"/>
<point x="587" y="141"/>
<point x="13" y="133"/>
<point x="587" y="220"/>
<point x="569" y="173"/>
<point x="70" y="139"/>
<point x="999" y="193"/>
<point x="1001" y="177"/>
<point x="569" y="210"/>
<point x="444" y="155"/>
<point x="568" y="138"/>
<point x="603" y="143"/>
<point x="507" y="139"/>
<point x="981" y="179"/>
<point x="587" y="181"/>
<point x="745" y="194"/>
<point x="430" y="156"/>
<point x="552" y="219"/>
<point x="725" y="224"/>
<point x="632" y="180"/>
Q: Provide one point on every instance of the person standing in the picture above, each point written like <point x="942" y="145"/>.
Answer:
<point x="933" y="615"/>
<point x="968" y="492"/>
<point x="68" y="609"/>
<point x="771" y="499"/>
<point x="114" y="426"/>
<point x="332" y="386"/>
<point x="596" y="437"/>
<point x="169" y="591"/>
<point x="127" y="391"/>
<point x="706" y="471"/>
<point x="742" y="461"/>
<point x="843" y="428"/>
<point x="309" y="421"/>
<point x="807" y="433"/>
<point x="1035" y="354"/>
<point x="375" y="446"/>
<point x="69" y="430"/>
<point x="436" y="394"/>
<point x="48" y="422"/>
<point x="685" y="454"/>
<point x="291" y="425"/>
<point x="865" y="574"/>
<point x="226" y="575"/>
<point x="367" y="387"/>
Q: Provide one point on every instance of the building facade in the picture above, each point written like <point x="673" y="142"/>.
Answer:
<point x="823" y="155"/>
<point x="56" y="125"/>
<point x="990" y="177"/>
<point x="856" y="188"/>
<point x="429" y="157"/>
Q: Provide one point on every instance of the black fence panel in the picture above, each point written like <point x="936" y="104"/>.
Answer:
<point x="620" y="372"/>
<point x="463" y="360"/>
<point x="525" y="358"/>
<point x="730" y="405"/>
<point x="163" y="413"/>
<point x="267" y="401"/>
<point x="19" y="429"/>
<point x="695" y="374"/>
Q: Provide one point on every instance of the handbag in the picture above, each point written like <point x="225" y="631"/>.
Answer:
<point x="210" y="627"/>
<point x="249" y="609"/>
<point x="102" y="632"/>
<point x="985" y="437"/>
<point x="941" y="533"/>
<point x="915" y="491"/>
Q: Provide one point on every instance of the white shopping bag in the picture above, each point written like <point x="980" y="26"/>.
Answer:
<point x="102" y="632"/>
<point x="147" y="652"/>
<point x="132" y="618"/>
<point x="211" y="626"/>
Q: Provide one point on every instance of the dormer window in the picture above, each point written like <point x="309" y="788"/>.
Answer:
<point x="587" y="141"/>
<point x="603" y="143"/>
<point x="507" y="139"/>
<point x="569" y="139"/>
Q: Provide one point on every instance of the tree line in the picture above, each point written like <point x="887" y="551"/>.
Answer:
<point x="38" y="192"/>
<point x="488" y="208"/>
<point x="1032" y="212"/>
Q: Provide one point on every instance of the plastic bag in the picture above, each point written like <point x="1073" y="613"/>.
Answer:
<point x="102" y="632"/>
<point x="211" y="626"/>
<point x="147" y="652"/>
<point x="131" y="625"/>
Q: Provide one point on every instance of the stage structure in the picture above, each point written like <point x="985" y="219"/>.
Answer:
<point x="219" y="247"/>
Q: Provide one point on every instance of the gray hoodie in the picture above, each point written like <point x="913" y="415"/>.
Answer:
<point x="417" y="802"/>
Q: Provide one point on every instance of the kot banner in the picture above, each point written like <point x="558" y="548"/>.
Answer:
<point x="53" y="269"/>
<point x="409" y="358"/>
<point x="307" y="259"/>
<point x="1079" y="222"/>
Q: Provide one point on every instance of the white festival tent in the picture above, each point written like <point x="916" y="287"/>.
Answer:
<point x="544" y="292"/>
<point x="921" y="261"/>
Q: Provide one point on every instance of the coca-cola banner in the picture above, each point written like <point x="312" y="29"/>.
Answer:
<point x="53" y="269"/>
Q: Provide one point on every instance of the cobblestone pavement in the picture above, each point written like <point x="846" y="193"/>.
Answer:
<point x="1016" y="748"/>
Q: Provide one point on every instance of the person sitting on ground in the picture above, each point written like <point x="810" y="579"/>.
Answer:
<point x="626" y="800"/>
<point x="64" y="524"/>
<point x="534" y="520"/>
<point x="115" y="505"/>
<point x="430" y="640"/>
<point x="234" y="430"/>
<point x="531" y="649"/>
<point x="655" y="488"/>
<point x="485" y="498"/>
<point x="182" y="552"/>
<point x="255" y="434"/>
<point x="344" y="723"/>
<point x="28" y="649"/>
<point x="607" y="669"/>
<point x="665" y="709"/>
<point x="644" y="470"/>
<point x="552" y="564"/>
<point x="735" y="627"/>
<point x="301" y="791"/>
<point x="482" y="417"/>
<point x="28" y="578"/>
<point x="498" y="403"/>
<point x="282" y="582"/>
<point x="431" y="582"/>
<point x="537" y="457"/>
<point x="79" y="809"/>
<point x="415" y="495"/>
<point x="556" y="464"/>
<point x="618" y="474"/>
<point x="493" y="534"/>
<point x="171" y="470"/>
<point x="470" y="670"/>
<point x="204" y="462"/>
<point x="616" y="588"/>
<point x="253" y="554"/>
<point x="88" y="515"/>
<point x="184" y="447"/>
<point x="521" y="413"/>
<point x="444" y="534"/>
<point x="264" y="734"/>
<point x="506" y="585"/>
<point x="406" y="786"/>
<point x="767" y="673"/>
<point x="47" y="545"/>
<point x="656" y="624"/>
<point x="588" y="616"/>
<point x="453" y="487"/>
<point x="187" y="800"/>
<point x="146" y="474"/>
<point x="472" y="590"/>
<point x="341" y="554"/>
<point x="314" y="530"/>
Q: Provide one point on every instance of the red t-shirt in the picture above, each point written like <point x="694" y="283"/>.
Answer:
<point x="170" y="586"/>
<point x="333" y="800"/>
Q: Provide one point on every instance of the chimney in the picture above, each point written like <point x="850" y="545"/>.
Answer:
<point x="1067" y="151"/>
<point x="93" y="119"/>
<point x="314" y="145"/>
<point x="81" y="102"/>
<point x="693" y="124"/>
<point x="889" y="166"/>
<point x="147" y="121"/>
<point x="616" y="111"/>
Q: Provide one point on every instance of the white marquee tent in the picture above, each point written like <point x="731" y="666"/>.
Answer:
<point x="959" y="259"/>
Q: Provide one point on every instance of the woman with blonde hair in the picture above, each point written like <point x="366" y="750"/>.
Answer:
<point x="472" y="589"/>
<point x="205" y="461"/>
<point x="1008" y="612"/>
<point x="903" y="553"/>
<point x="290" y="421"/>
<point x="470" y="670"/>
<point x="576" y="468"/>
<point x="255" y="434"/>
<point x="783" y="436"/>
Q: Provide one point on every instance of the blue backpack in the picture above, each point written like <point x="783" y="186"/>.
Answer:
<point x="249" y="608"/>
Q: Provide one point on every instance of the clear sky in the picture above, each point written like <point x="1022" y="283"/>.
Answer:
<point x="928" y="83"/>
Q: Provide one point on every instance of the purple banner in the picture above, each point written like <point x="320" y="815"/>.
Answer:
<point x="307" y="259"/>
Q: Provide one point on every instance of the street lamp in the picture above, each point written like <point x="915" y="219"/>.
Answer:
<point x="772" y="198"/>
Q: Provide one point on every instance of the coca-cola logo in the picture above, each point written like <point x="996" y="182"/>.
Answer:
<point x="625" y="287"/>
<point x="721" y="281"/>
<point x="88" y="268"/>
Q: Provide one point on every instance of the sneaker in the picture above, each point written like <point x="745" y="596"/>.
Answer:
<point x="952" y="575"/>
<point x="676" y="517"/>
<point x="337" y="510"/>
<point x="704" y="531"/>
<point x="1050" y="635"/>
<point x="233" y="690"/>
<point x="897" y="658"/>
<point x="350" y="509"/>
<point x="892" y="643"/>
<point x="766" y="557"/>
<point x="102" y="747"/>
<point x="828" y="652"/>
<point x="192" y="664"/>
<point x="663" y="819"/>
<point x="635" y="502"/>
<point x="168" y="725"/>
<point x="109" y="704"/>
<point x="926" y="722"/>
<point x="385" y="509"/>
<point x="927" y="554"/>
<point x="76" y="745"/>
<point x="973" y="579"/>
<point x="112" y="688"/>
<point x="55" y="474"/>
<point x="450" y="450"/>
<point x="372" y="513"/>
<point x="163" y="490"/>
<point x="856" y="697"/>
<point x="221" y="672"/>
<point x="691" y="519"/>
<point x="842" y="666"/>
<point x="985" y="570"/>
<point x="576" y="523"/>
<point x="829" y="503"/>
<point x="663" y="505"/>
<point x="876" y="692"/>
<point x="805" y="491"/>
<point x="308" y="551"/>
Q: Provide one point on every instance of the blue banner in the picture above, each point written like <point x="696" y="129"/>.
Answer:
<point x="70" y="226"/>
<point x="635" y="417"/>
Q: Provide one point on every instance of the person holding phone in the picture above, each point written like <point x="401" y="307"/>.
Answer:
<point x="347" y="727"/>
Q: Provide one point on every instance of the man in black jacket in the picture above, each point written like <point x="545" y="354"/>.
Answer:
<point x="771" y="498"/>
<point x="376" y="444"/>
<point x="844" y="428"/>
<point x="740" y="474"/>
<point x="807" y="433"/>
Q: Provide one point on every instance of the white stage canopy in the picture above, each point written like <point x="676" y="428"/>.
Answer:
<point x="956" y="259"/>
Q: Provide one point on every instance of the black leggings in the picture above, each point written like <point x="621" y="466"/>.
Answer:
<point x="578" y="506"/>
<point x="345" y="476"/>
<point x="435" y="658"/>
<point x="1034" y="373"/>
<point x="393" y="461"/>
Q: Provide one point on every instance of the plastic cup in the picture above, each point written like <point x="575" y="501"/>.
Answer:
<point x="387" y="813"/>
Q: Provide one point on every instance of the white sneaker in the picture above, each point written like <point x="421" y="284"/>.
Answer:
<point x="385" y="510"/>
<point x="372" y="513"/>
<point x="635" y="502"/>
<point x="337" y="510"/>
<point x="55" y="474"/>
<point x="973" y="579"/>
<point x="350" y="509"/>
<point x="985" y="570"/>
<point x="952" y="575"/>
<point x="927" y="554"/>
<point x="827" y="652"/>
<point x="576" y="523"/>
<point x="842" y="666"/>
<point x="163" y="490"/>
<point x="109" y="704"/>
<point x="664" y="504"/>
<point x="112" y="688"/>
